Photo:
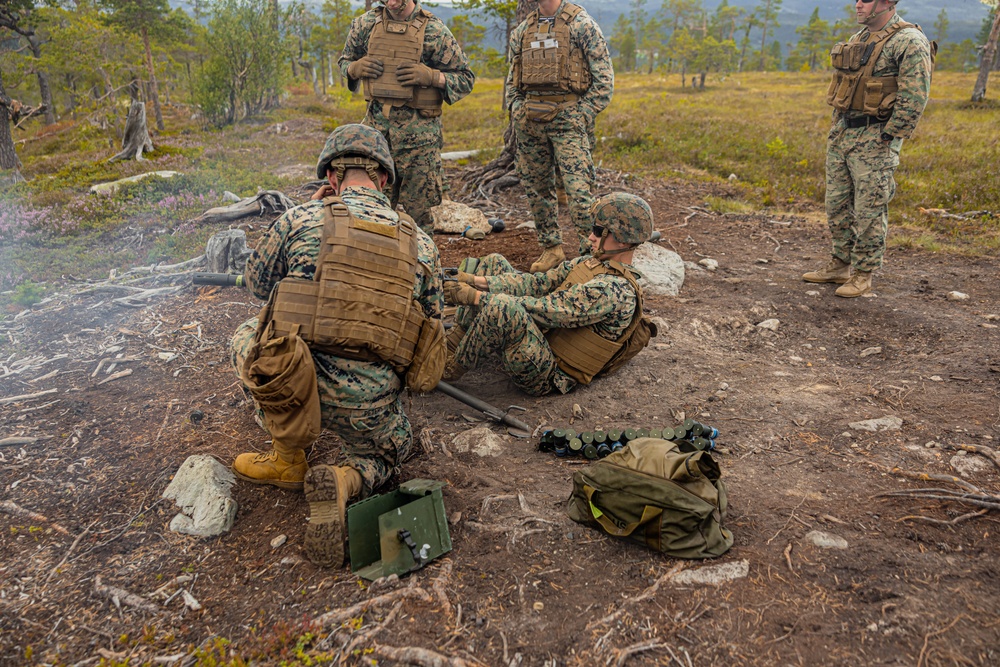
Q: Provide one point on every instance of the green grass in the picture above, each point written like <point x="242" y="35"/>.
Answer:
<point x="769" y="129"/>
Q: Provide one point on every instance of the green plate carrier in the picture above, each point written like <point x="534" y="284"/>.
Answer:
<point x="398" y="532"/>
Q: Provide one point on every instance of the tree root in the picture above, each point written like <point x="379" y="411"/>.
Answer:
<point x="645" y="595"/>
<point x="120" y="596"/>
<point x="990" y="453"/>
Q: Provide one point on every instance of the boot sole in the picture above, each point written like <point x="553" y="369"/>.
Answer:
<point x="835" y="281"/>
<point x="288" y="486"/>
<point x="324" y="540"/>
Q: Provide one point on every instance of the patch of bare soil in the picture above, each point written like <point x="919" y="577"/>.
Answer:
<point x="916" y="584"/>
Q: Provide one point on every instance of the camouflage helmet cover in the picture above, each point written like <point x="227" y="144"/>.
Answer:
<point x="356" y="140"/>
<point x="627" y="217"/>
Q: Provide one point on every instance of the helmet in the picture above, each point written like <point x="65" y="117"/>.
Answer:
<point x="626" y="217"/>
<point x="355" y="146"/>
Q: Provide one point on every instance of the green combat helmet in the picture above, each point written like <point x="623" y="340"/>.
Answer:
<point x="356" y="146"/>
<point x="624" y="216"/>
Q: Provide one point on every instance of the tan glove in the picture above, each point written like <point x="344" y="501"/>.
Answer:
<point x="416" y="74"/>
<point x="467" y="278"/>
<point x="460" y="294"/>
<point x="365" y="68"/>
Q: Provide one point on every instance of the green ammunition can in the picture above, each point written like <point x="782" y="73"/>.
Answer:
<point x="590" y="452"/>
<point x="575" y="446"/>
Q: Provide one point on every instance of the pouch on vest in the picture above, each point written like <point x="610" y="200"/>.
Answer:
<point x="429" y="357"/>
<point x="541" y="112"/>
<point x="653" y="494"/>
<point x="634" y="344"/>
<point x="280" y="374"/>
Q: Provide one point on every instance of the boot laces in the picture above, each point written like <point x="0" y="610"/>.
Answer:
<point x="268" y="456"/>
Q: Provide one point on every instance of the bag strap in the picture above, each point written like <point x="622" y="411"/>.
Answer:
<point x="649" y="513"/>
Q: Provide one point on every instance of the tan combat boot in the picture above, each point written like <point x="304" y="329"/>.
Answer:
<point x="328" y="490"/>
<point x="283" y="469"/>
<point x="551" y="258"/>
<point x="835" y="272"/>
<point x="859" y="284"/>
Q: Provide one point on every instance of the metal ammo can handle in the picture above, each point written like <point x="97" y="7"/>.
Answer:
<point x="225" y="279"/>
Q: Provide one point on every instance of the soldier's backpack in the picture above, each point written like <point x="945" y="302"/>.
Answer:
<point x="652" y="493"/>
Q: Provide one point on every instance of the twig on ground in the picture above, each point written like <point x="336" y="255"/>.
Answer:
<point x="645" y="595"/>
<point x="943" y="522"/>
<point x="438" y="586"/>
<point x="422" y="657"/>
<point x="788" y="521"/>
<point x="13" y="509"/>
<point x="627" y="652"/>
<point x="927" y="637"/>
<point x="26" y="397"/>
<point x="338" y="616"/>
<point x="788" y="557"/>
<point x="990" y="453"/>
<point x="17" y="441"/>
<point x="116" y="376"/>
<point x="71" y="548"/>
<point x="121" y="596"/>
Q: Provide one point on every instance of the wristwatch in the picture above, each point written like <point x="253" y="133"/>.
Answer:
<point x="886" y="137"/>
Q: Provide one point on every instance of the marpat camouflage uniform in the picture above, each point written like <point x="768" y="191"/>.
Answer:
<point x="565" y="139"/>
<point x="414" y="140"/>
<point x="860" y="166"/>
<point x="360" y="399"/>
<point x="512" y="317"/>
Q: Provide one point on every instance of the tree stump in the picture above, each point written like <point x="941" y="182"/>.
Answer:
<point x="227" y="252"/>
<point x="136" y="139"/>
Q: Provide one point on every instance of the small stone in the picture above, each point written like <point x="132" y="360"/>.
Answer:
<point x="733" y="281"/>
<point x="713" y="575"/>
<point x="709" y="263"/>
<point x="797" y="360"/>
<point x="770" y="325"/>
<point x="733" y="177"/>
<point x="279" y="541"/>
<point x="845" y="434"/>
<point x="826" y="540"/>
<point x="761" y="260"/>
<point x="930" y="445"/>
<point x="455" y="517"/>
<point x="872" y="627"/>
<point x="294" y="559"/>
<point x="538" y="606"/>
<point x="480" y="441"/>
<point x="202" y="489"/>
<point x="661" y="346"/>
<point x="812" y="292"/>
<point x="530" y="224"/>
<point x="869" y="351"/>
<point x="936" y="378"/>
<point x="961" y="453"/>
<point x="957" y="296"/>
<point x="991" y="317"/>
<point x="967" y="466"/>
<point x="167" y="356"/>
<point x="577" y="411"/>
<point x="724" y="386"/>
<point x="888" y="423"/>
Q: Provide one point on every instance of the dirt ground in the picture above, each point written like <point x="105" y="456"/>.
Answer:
<point x="917" y="583"/>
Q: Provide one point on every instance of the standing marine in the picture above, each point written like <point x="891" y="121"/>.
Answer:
<point x="561" y="328"/>
<point x="409" y="63"/>
<point x="353" y="314"/>
<point x="560" y="78"/>
<point x="881" y="82"/>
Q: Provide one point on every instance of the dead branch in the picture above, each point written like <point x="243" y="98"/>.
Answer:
<point x="927" y="477"/>
<point x="13" y="509"/>
<point x="70" y="551"/>
<point x="364" y="637"/>
<point x="412" y="655"/>
<point x="645" y="595"/>
<point x="119" y="374"/>
<point x="627" y="652"/>
<point x="943" y="522"/>
<point x="266" y="202"/>
<point x="118" y="596"/>
<point x="338" y="616"/>
<point x="16" y="441"/>
<point x="438" y="586"/>
<point x="137" y="300"/>
<point x="26" y="397"/>
<point x="990" y="453"/>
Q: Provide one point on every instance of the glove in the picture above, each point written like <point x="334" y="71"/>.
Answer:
<point x="365" y="68"/>
<point x="466" y="278"/>
<point x="416" y="74"/>
<point x="460" y="294"/>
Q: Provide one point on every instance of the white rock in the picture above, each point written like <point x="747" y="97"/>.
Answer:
<point x="278" y="541"/>
<point x="452" y="217"/>
<point x="662" y="269"/>
<point x="888" y="423"/>
<point x="113" y="186"/>
<point x="869" y="351"/>
<point x="480" y="441"/>
<point x="966" y="466"/>
<point x="202" y="488"/>
<point x="709" y="263"/>
<point x="733" y="177"/>
<point x="936" y="378"/>
<point x="231" y="197"/>
<point x="812" y="292"/>
<point x="771" y="324"/>
<point x="826" y="540"/>
<point x="797" y="360"/>
<point x="957" y="296"/>
<point x="713" y="574"/>
<point x="662" y="326"/>
<point x="530" y="224"/>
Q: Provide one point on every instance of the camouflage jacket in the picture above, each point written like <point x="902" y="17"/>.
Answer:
<point x="405" y="127"/>
<point x="290" y="248"/>
<point x="587" y="35"/>
<point x="907" y="55"/>
<point x="606" y="303"/>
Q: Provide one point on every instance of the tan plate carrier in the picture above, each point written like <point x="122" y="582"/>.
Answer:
<point x="360" y="305"/>
<point x="395" y="43"/>
<point x="581" y="352"/>
<point x="549" y="62"/>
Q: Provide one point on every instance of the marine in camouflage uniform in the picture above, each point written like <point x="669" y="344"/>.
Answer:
<point x="564" y="139"/>
<point x="360" y="400"/>
<point x="507" y="313"/>
<point x="863" y="151"/>
<point x="414" y="135"/>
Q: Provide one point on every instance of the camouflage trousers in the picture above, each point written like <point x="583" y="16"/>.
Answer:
<point x="859" y="187"/>
<point x="540" y="146"/>
<point x="501" y="328"/>
<point x="376" y="440"/>
<point x="418" y="182"/>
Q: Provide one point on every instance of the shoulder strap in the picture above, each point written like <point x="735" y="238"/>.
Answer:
<point x="569" y="12"/>
<point x="619" y="269"/>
